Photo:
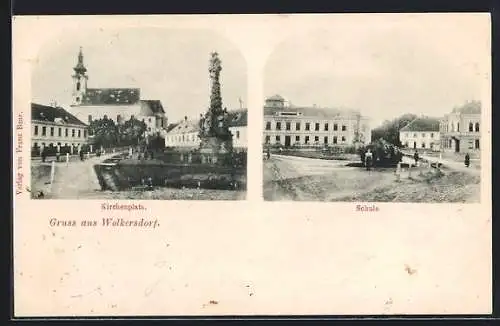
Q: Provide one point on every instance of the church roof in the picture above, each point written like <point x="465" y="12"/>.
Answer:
<point x="154" y="106"/>
<point x="59" y="115"/>
<point x="111" y="96"/>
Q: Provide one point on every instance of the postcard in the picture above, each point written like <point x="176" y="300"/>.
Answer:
<point x="211" y="165"/>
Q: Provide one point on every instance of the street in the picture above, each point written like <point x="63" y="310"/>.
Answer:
<point x="305" y="179"/>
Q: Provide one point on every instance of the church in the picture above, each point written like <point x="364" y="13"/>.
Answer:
<point x="117" y="104"/>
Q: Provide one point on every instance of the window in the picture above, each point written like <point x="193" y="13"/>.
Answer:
<point x="450" y="144"/>
<point x="78" y="99"/>
<point x="306" y="141"/>
<point x="477" y="143"/>
<point x="316" y="138"/>
<point x="477" y="129"/>
<point x="59" y="131"/>
<point x="308" y="126"/>
<point x="183" y="137"/>
<point x="343" y="138"/>
<point x="44" y="131"/>
<point x="66" y="132"/>
<point x="316" y="126"/>
<point x="278" y="138"/>
<point x="268" y="125"/>
<point x="149" y="128"/>
<point x="118" y="118"/>
<point x="335" y="127"/>
<point x="73" y="133"/>
<point x="79" y="133"/>
<point x="149" y="120"/>
<point x="406" y="144"/>
<point x="278" y="125"/>
<point x="325" y="140"/>
<point x="297" y="126"/>
<point x="334" y="139"/>
<point x="90" y="119"/>
<point x="288" y="126"/>
<point x="52" y="131"/>
<point x="452" y="127"/>
<point x="458" y="126"/>
<point x="414" y="135"/>
<point x="36" y="130"/>
<point x="471" y="127"/>
<point x="297" y="138"/>
<point x="85" y="134"/>
<point x="423" y="145"/>
<point x="237" y="134"/>
<point x="344" y="128"/>
<point x="432" y="135"/>
<point x="268" y="139"/>
<point x="423" y="135"/>
<point x="326" y="126"/>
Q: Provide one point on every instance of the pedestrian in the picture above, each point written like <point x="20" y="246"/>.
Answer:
<point x="268" y="154"/>
<point x="416" y="157"/>
<point x="58" y="155"/>
<point x="368" y="159"/>
<point x="44" y="154"/>
<point x="81" y="155"/>
<point x="467" y="160"/>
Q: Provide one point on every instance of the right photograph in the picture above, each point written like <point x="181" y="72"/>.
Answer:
<point x="375" y="114"/>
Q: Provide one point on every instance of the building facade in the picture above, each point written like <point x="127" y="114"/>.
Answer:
<point x="185" y="133"/>
<point x="117" y="104"/>
<point x="288" y="125"/>
<point x="421" y="133"/>
<point x="461" y="129"/>
<point x="55" y="128"/>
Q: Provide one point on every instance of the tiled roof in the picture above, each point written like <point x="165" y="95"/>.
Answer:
<point x="111" y="96"/>
<point x="275" y="98"/>
<point x="422" y="124"/>
<point x="237" y="118"/>
<point x="153" y="105"/>
<point x="53" y="114"/>
<point x="312" y="111"/>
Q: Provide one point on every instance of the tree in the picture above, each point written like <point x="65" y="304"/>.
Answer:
<point x="104" y="132"/>
<point x="389" y="130"/>
<point x="132" y="131"/>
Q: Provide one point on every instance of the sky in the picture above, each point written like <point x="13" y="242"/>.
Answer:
<point x="167" y="65"/>
<point x="385" y="68"/>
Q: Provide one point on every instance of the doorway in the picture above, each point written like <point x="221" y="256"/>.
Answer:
<point x="287" y="141"/>
<point x="457" y="145"/>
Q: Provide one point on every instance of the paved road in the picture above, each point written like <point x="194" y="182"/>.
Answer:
<point x="76" y="178"/>
<point x="299" y="178"/>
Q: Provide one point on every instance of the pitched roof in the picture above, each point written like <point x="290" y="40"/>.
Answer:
<point x="111" y="96"/>
<point x="276" y="97"/>
<point x="313" y="111"/>
<point x="59" y="115"/>
<point x="422" y="124"/>
<point x="153" y="105"/>
<point x="237" y="118"/>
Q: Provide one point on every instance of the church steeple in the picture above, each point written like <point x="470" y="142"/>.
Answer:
<point x="79" y="80"/>
<point x="80" y="67"/>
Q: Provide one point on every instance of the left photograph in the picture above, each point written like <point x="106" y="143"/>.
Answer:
<point x="144" y="113"/>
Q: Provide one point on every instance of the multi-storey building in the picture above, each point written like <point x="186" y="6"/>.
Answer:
<point x="289" y="125"/>
<point x="461" y="129"/>
<point x="421" y="133"/>
<point x="56" y="128"/>
<point x="185" y="133"/>
<point x="117" y="104"/>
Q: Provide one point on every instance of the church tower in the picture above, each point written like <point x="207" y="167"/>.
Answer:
<point x="79" y="80"/>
